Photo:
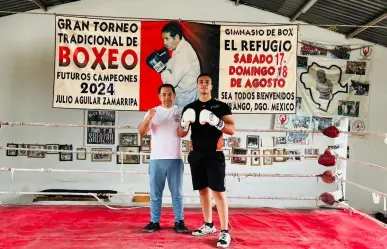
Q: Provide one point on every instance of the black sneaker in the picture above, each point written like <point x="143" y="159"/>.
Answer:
<point x="152" y="227"/>
<point x="180" y="227"/>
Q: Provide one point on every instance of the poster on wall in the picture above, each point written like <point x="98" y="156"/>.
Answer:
<point x="333" y="81"/>
<point x="99" y="135"/>
<point x="103" y="64"/>
<point x="257" y="69"/>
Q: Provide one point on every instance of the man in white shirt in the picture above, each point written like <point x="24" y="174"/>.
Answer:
<point x="182" y="68"/>
<point x="166" y="158"/>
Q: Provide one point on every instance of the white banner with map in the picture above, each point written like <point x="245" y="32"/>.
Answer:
<point x="332" y="81"/>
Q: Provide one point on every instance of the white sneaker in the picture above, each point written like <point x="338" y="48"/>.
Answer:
<point x="224" y="240"/>
<point x="204" y="230"/>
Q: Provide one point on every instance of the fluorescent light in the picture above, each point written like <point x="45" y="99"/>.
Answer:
<point x="308" y="6"/>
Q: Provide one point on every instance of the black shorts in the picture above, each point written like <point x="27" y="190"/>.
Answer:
<point x="208" y="170"/>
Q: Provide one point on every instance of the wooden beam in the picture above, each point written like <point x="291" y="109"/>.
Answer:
<point x="367" y="25"/>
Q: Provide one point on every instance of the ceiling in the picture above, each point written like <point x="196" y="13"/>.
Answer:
<point x="334" y="13"/>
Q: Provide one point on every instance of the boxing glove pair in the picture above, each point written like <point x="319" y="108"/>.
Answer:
<point x="158" y="60"/>
<point x="205" y="117"/>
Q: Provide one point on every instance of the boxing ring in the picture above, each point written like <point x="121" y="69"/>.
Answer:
<point x="333" y="223"/>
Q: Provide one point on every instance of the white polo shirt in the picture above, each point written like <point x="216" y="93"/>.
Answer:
<point x="165" y="143"/>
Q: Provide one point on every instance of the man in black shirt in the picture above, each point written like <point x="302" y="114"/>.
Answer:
<point x="208" y="119"/>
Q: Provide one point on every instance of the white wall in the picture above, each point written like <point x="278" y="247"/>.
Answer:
<point x="26" y="69"/>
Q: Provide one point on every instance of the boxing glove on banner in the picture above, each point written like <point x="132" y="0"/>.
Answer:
<point x="189" y="116"/>
<point x="158" y="59"/>
<point x="208" y="117"/>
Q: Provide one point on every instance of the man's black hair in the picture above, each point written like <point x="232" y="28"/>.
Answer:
<point x="203" y="75"/>
<point x="167" y="86"/>
<point x="173" y="28"/>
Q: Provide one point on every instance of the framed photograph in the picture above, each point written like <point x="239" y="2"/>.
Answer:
<point x="226" y="153"/>
<point x="252" y="142"/>
<point x="280" y="140"/>
<point x="52" y="147"/>
<point x="234" y="142"/>
<point x="23" y="152"/>
<point x="101" y="155"/>
<point x="185" y="146"/>
<point x="267" y="142"/>
<point x="295" y="154"/>
<point x="239" y="160"/>
<point x="81" y="154"/>
<point x="128" y="159"/>
<point x="267" y="159"/>
<point x="146" y="143"/>
<point x="255" y="161"/>
<point x="279" y="152"/>
<point x="128" y="139"/>
<point x="145" y="158"/>
<point x="99" y="135"/>
<point x="225" y="144"/>
<point x="12" y="152"/>
<point x="320" y="123"/>
<point x="65" y="156"/>
<point x="37" y="154"/>
<point x="301" y="122"/>
<point x="336" y="122"/>
<point x="297" y="138"/>
<point x="311" y="152"/>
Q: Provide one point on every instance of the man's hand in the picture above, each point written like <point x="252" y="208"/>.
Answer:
<point x="144" y="127"/>
<point x="152" y="113"/>
<point x="208" y="117"/>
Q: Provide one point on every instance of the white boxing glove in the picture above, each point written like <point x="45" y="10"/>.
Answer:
<point x="208" y="117"/>
<point x="189" y="116"/>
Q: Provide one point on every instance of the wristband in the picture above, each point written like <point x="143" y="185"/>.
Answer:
<point x="220" y="125"/>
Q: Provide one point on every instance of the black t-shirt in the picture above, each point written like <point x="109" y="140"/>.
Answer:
<point x="206" y="138"/>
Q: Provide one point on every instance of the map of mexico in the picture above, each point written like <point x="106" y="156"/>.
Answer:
<point x="323" y="84"/>
<point x="333" y="82"/>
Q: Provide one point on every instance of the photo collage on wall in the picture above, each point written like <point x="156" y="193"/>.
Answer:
<point x="303" y="123"/>
<point x="41" y="151"/>
<point x="129" y="143"/>
<point x="103" y="139"/>
<point x="333" y="80"/>
<point x="262" y="148"/>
